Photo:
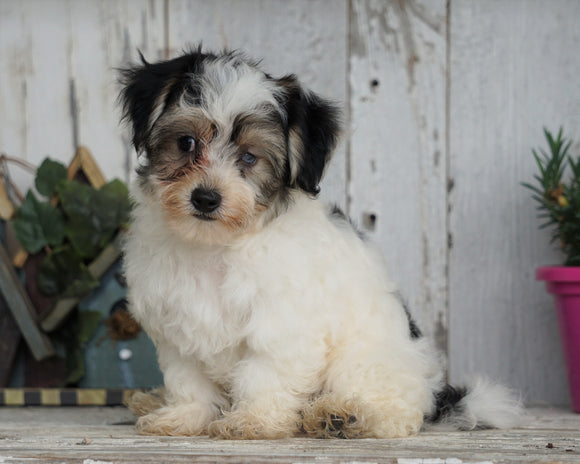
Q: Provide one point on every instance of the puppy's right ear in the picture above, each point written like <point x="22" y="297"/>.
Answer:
<point x="148" y="89"/>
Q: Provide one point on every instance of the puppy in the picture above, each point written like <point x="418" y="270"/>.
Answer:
<point x="272" y="317"/>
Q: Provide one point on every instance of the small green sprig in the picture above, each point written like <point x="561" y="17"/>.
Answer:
<point x="559" y="200"/>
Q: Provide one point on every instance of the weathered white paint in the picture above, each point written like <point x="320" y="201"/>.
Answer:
<point x="69" y="435"/>
<point x="103" y="37"/>
<point x="398" y="164"/>
<point x="34" y="83"/>
<point x="58" y="79"/>
<point x="514" y="68"/>
<point x="463" y="90"/>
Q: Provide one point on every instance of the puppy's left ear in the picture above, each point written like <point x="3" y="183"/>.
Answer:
<point x="313" y="125"/>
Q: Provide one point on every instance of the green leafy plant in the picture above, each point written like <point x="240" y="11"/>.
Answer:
<point x="71" y="339"/>
<point x="73" y="223"/>
<point x="69" y="224"/>
<point x="558" y="198"/>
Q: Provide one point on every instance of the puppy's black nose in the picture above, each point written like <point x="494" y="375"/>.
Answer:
<point x="205" y="200"/>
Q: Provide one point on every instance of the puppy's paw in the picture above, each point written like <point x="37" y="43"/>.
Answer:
<point x="332" y="417"/>
<point x="141" y="403"/>
<point x="245" y="425"/>
<point x="181" y="420"/>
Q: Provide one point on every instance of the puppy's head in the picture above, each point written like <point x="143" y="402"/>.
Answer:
<point x="224" y="144"/>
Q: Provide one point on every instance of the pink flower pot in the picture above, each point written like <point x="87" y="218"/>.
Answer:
<point x="564" y="284"/>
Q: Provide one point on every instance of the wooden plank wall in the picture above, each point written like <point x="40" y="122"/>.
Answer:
<point x="443" y="100"/>
<point x="514" y="67"/>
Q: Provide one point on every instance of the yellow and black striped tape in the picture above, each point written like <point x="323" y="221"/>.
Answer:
<point x="64" y="396"/>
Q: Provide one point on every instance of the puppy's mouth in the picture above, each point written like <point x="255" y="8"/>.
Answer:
<point x="204" y="217"/>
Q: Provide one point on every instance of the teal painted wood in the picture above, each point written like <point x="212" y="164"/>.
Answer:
<point x="103" y="356"/>
<point x="104" y="363"/>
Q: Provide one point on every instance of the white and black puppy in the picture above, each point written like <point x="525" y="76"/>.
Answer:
<point x="271" y="316"/>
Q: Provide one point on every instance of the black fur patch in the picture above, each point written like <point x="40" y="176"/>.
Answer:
<point x="144" y="83"/>
<point x="446" y="402"/>
<point x="317" y="123"/>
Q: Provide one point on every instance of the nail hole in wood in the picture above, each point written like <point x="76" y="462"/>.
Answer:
<point x="369" y="221"/>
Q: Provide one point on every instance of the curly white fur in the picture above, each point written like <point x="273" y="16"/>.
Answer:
<point x="300" y="308"/>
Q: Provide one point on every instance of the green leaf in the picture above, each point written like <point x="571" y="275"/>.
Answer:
<point x="115" y="197"/>
<point x="75" y="363"/>
<point x="549" y="137"/>
<point x="63" y="273"/>
<point x="48" y="175"/>
<point x="76" y="198"/>
<point x="540" y="199"/>
<point x="94" y="215"/>
<point x="83" y="328"/>
<point x="539" y="162"/>
<point x="532" y="187"/>
<point x="540" y="180"/>
<point x="566" y="148"/>
<point x="38" y="224"/>
<point x="88" y="321"/>
<point x="86" y="235"/>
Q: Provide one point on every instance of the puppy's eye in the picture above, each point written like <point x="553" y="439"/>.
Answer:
<point x="186" y="143"/>
<point x="248" y="159"/>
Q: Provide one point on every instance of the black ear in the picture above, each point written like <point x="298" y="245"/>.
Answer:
<point x="313" y="131"/>
<point x="148" y="89"/>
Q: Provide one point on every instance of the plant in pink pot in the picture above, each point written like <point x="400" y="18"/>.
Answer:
<point x="559" y="206"/>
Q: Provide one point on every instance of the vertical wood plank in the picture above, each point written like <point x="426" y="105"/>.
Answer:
<point x="514" y="69"/>
<point x="398" y="165"/>
<point x="34" y="81"/>
<point x="104" y="36"/>
<point x="304" y="37"/>
<point x="58" y="63"/>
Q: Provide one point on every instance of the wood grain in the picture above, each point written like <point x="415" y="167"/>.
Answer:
<point x="59" y="84"/>
<point x="106" y="435"/>
<point x="34" y="94"/>
<point x="397" y="146"/>
<point x="512" y="72"/>
<point x="103" y="37"/>
<point x="83" y="164"/>
<point x="6" y="207"/>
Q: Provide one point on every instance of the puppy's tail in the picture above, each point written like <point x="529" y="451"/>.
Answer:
<point x="482" y="405"/>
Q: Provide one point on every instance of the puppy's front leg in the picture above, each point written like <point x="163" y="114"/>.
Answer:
<point x="266" y="401"/>
<point x="191" y="400"/>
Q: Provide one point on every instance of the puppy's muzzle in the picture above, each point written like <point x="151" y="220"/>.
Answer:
<point x="205" y="200"/>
